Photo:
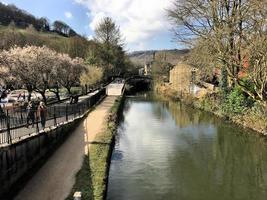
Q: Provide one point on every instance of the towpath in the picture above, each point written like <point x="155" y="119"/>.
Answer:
<point x="56" y="177"/>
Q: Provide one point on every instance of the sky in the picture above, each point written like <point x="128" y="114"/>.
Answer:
<point x="143" y="23"/>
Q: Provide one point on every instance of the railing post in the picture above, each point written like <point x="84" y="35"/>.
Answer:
<point x="55" y="117"/>
<point x="9" y="138"/>
<point x="74" y="110"/>
<point x="37" y="126"/>
<point x="37" y="122"/>
<point x="21" y="116"/>
<point x="67" y="117"/>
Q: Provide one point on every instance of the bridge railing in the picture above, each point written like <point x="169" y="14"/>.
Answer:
<point x="14" y="125"/>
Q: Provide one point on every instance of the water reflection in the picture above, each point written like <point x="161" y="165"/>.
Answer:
<point x="166" y="150"/>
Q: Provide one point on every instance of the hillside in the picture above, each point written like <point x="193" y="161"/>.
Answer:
<point x="12" y="15"/>
<point x="74" y="46"/>
<point x="171" y="56"/>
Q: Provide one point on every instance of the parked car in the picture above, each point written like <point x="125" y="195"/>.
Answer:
<point x="22" y="95"/>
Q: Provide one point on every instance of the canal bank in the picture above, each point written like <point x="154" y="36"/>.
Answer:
<point x="253" y="119"/>
<point x="92" y="178"/>
<point x="167" y="150"/>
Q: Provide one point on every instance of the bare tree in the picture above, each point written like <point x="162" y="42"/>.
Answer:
<point x="228" y="27"/>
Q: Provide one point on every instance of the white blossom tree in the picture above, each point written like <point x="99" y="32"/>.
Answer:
<point x="68" y="71"/>
<point x="40" y="68"/>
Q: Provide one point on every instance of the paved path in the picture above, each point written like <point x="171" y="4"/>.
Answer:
<point x="55" y="179"/>
<point x="23" y="131"/>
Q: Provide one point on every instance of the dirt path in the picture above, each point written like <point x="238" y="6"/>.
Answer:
<point x="55" y="179"/>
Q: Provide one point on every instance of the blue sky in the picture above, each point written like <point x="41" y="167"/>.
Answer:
<point x="143" y="23"/>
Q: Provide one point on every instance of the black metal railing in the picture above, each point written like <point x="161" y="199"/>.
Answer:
<point x="14" y="124"/>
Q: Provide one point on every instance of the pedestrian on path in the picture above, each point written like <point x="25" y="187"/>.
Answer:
<point x="42" y="112"/>
<point x="30" y="114"/>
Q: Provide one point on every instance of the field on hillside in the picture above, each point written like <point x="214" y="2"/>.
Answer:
<point x="15" y="36"/>
<point x="170" y="56"/>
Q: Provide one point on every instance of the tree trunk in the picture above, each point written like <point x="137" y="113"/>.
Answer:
<point x="56" y="92"/>
<point x="30" y="90"/>
<point x="44" y="97"/>
<point x="86" y="88"/>
<point x="57" y="95"/>
<point x="69" y="90"/>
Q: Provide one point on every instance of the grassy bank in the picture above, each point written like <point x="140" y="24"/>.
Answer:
<point x="233" y="108"/>
<point x="92" y="178"/>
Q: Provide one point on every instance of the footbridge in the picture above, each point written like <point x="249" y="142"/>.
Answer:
<point x="116" y="88"/>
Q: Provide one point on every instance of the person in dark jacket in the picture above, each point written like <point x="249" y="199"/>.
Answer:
<point x="30" y="114"/>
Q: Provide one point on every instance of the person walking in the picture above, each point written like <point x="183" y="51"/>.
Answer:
<point x="42" y="112"/>
<point x="30" y="114"/>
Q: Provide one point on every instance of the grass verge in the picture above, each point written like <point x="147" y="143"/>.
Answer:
<point x="92" y="178"/>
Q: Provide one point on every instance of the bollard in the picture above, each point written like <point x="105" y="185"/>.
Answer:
<point x="77" y="196"/>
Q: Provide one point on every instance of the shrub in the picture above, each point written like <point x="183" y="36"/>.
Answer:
<point x="235" y="102"/>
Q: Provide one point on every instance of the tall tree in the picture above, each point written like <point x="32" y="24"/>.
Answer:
<point x="61" y="27"/>
<point x="44" y="24"/>
<point x="107" y="32"/>
<point x="111" y="53"/>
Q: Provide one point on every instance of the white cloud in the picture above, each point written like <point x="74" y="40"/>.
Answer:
<point x="139" y="20"/>
<point x="90" y="37"/>
<point x="68" y="15"/>
<point x="5" y="3"/>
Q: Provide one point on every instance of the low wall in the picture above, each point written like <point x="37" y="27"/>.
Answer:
<point x="20" y="158"/>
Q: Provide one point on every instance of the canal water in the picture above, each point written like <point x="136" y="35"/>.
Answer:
<point x="169" y="151"/>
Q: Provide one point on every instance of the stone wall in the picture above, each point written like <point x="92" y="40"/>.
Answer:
<point x="18" y="160"/>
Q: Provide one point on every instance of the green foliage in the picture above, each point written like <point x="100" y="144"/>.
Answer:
<point x="76" y="90"/>
<point x="108" y="52"/>
<point x="206" y="104"/>
<point x="107" y="32"/>
<point x="235" y="102"/>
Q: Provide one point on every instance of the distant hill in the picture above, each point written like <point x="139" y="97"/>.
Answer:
<point x="11" y="15"/>
<point x="171" y="56"/>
